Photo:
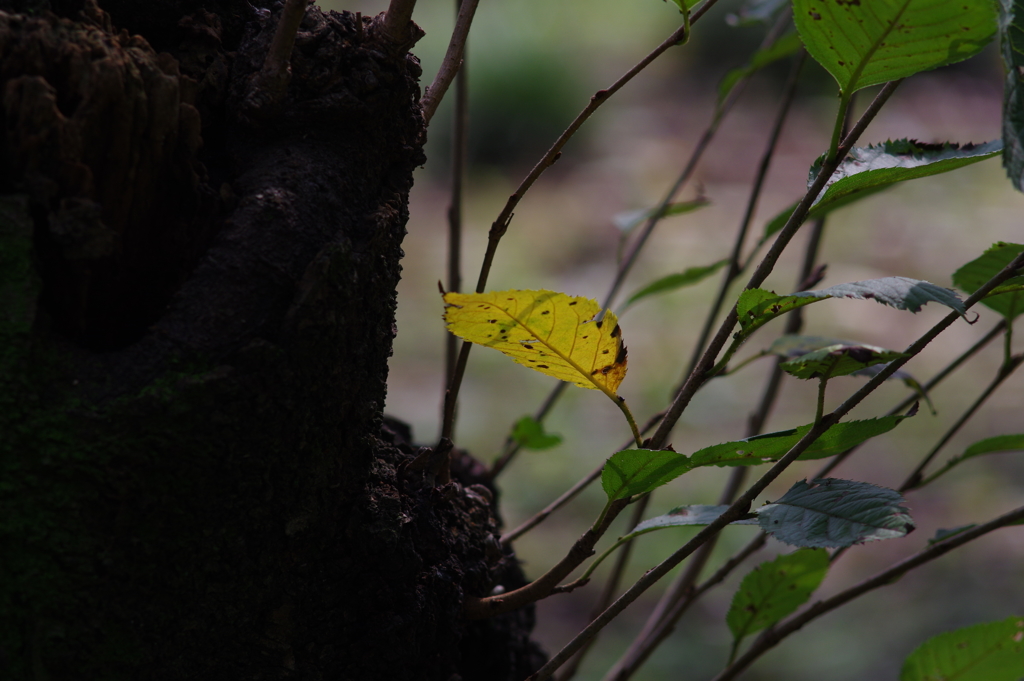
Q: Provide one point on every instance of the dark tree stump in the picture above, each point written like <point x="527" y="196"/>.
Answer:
<point x="196" y="312"/>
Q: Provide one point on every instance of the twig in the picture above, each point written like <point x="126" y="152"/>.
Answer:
<point x="735" y="270"/>
<point x="938" y="378"/>
<point x="500" y="225"/>
<point x="914" y="480"/>
<point x="512" y="447"/>
<point x="541" y="516"/>
<point x="583" y="548"/>
<point x="656" y="216"/>
<point x="268" y="89"/>
<point x="610" y="587"/>
<point x="453" y="59"/>
<point x="568" y="495"/>
<point x="680" y="594"/>
<point x="644" y="645"/>
<point x="697" y="376"/>
<point x="397" y="23"/>
<point x="460" y="130"/>
<point x="774" y="635"/>
<point x="742" y="505"/>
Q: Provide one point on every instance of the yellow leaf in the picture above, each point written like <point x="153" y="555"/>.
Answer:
<point x="551" y="332"/>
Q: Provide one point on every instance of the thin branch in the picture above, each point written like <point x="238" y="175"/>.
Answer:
<point x="742" y="505"/>
<point x="680" y="594"/>
<point x="512" y="447"/>
<point x="460" y="136"/>
<point x="657" y="215"/>
<point x="541" y="516"/>
<point x="270" y="87"/>
<point x="543" y="586"/>
<point x="500" y="225"/>
<point x="734" y="270"/>
<point x="397" y="23"/>
<point x="698" y="375"/>
<point x="610" y="587"/>
<point x="774" y="635"/>
<point x="913" y="397"/>
<point x="664" y="625"/>
<point x="453" y="59"/>
<point x="569" y="494"/>
<point x="914" y="480"/>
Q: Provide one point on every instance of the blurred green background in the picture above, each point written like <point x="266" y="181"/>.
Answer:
<point x="533" y="65"/>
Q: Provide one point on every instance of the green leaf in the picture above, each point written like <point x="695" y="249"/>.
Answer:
<point x="869" y="170"/>
<point x="999" y="443"/>
<point x="756" y="12"/>
<point x="756" y="307"/>
<point x="780" y="49"/>
<point x="834" y="513"/>
<point x="768" y="447"/>
<point x="901" y="293"/>
<point x="672" y="282"/>
<point x="696" y="514"/>
<point x="974" y="274"/>
<point x="868" y="43"/>
<point x="840" y="359"/>
<point x="529" y="433"/>
<point x="984" y="652"/>
<point x="1011" y="34"/>
<point x="638" y="471"/>
<point x="775" y="589"/>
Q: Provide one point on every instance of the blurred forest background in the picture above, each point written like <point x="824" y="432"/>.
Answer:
<point x="533" y="65"/>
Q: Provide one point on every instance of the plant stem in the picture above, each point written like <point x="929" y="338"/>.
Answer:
<point x="460" y="135"/>
<point x="914" y="480"/>
<point x="610" y="586"/>
<point x="583" y="548"/>
<point x="512" y="447"/>
<point x="734" y="270"/>
<point x="454" y="58"/>
<point x="822" y="382"/>
<point x="270" y="87"/>
<point x="657" y="215"/>
<point x="697" y="376"/>
<point x="680" y="594"/>
<point x="774" y="635"/>
<point x="566" y="496"/>
<point x="500" y="225"/>
<point x="664" y="624"/>
<point x="621" y="404"/>
<point x="937" y="379"/>
<point x="397" y="21"/>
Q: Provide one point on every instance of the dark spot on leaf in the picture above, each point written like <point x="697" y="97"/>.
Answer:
<point x="815" y="16"/>
<point x="542" y="366"/>
<point x="616" y="331"/>
<point x="586" y="337"/>
<point x="841" y="63"/>
<point x="598" y="324"/>
<point x="621" y="357"/>
<point x="605" y="352"/>
<point x="573" y="303"/>
<point x="492" y="321"/>
<point x="546" y="312"/>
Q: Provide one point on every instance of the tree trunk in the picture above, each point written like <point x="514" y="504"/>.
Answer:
<point x="197" y="293"/>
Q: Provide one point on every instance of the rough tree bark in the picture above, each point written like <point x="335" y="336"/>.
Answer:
<point x="196" y="311"/>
